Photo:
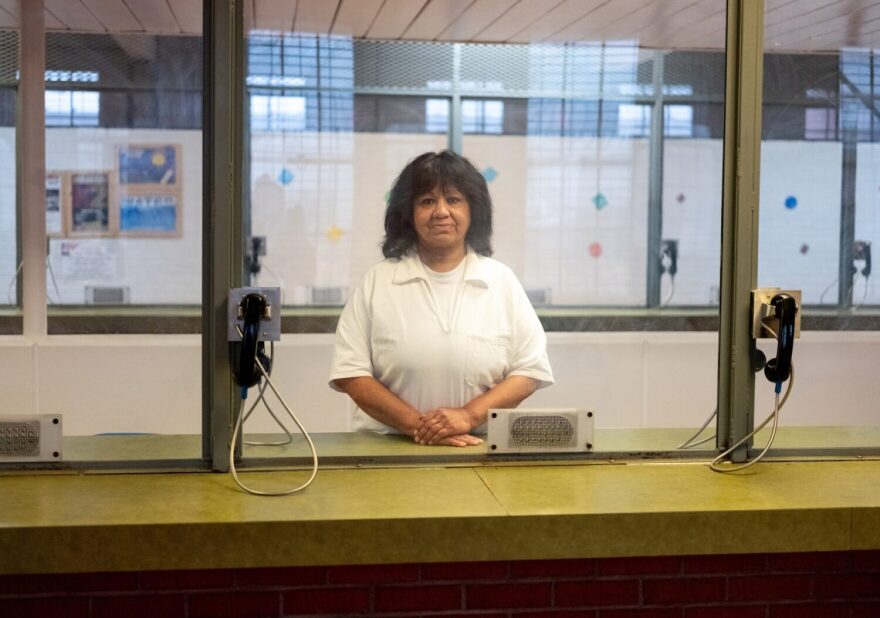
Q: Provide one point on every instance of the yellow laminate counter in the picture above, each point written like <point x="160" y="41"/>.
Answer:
<point x="105" y="522"/>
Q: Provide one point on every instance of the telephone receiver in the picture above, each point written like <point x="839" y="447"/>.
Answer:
<point x="244" y="354"/>
<point x="779" y="369"/>
<point x="669" y="251"/>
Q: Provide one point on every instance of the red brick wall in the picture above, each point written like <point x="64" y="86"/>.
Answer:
<point x="845" y="584"/>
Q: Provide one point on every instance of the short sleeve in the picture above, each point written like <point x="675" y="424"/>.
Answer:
<point x="352" y="355"/>
<point x="529" y="353"/>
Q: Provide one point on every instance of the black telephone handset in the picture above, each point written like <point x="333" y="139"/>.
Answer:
<point x="778" y="369"/>
<point x="244" y="354"/>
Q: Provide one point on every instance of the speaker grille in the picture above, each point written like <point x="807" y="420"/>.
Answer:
<point x="19" y="438"/>
<point x="551" y="430"/>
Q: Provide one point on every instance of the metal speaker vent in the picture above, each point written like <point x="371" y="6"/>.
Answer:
<point x="329" y="296"/>
<point x="30" y="438"/>
<point x="551" y="430"/>
<point x="536" y="430"/>
<point x="107" y="295"/>
<point x="19" y="438"/>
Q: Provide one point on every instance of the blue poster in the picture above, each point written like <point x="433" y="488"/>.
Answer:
<point x="148" y="214"/>
<point x="140" y="165"/>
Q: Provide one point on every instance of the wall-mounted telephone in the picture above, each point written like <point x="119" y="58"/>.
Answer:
<point x="254" y="317"/>
<point x="785" y="311"/>
<point x="776" y="314"/>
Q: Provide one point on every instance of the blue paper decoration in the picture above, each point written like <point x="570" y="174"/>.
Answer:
<point x="600" y="201"/>
<point x="490" y="174"/>
<point x="791" y="202"/>
<point x="285" y="177"/>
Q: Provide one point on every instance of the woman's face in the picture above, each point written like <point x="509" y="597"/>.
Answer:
<point x="441" y="219"/>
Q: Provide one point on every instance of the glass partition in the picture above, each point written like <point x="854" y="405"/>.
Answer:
<point x="124" y="224"/>
<point x="600" y="138"/>
<point x="9" y="70"/>
<point x="124" y="153"/>
<point x="818" y="217"/>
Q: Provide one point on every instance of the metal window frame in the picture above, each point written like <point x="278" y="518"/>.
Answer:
<point x="223" y="234"/>
<point x="739" y="226"/>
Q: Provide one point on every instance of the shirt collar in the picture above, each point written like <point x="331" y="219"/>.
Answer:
<point x="410" y="268"/>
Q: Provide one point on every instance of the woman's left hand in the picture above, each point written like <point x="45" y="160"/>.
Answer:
<point x="441" y="423"/>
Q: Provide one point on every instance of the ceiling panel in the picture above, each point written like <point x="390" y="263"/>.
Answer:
<point x="355" y="16"/>
<point x="707" y="33"/>
<point x="274" y="14"/>
<point x="475" y="19"/>
<point x="777" y="11"/>
<point x="53" y="23"/>
<point x="188" y="14"/>
<point x="74" y="15"/>
<point x="593" y="25"/>
<point x="7" y="19"/>
<point x="556" y="19"/>
<point x="518" y="18"/>
<point x="791" y="25"/>
<point x="648" y="16"/>
<point x="315" y="15"/>
<point x="154" y="15"/>
<point x="805" y="19"/>
<point x="434" y="19"/>
<point x="113" y="15"/>
<point x="248" y="15"/>
<point x="827" y="31"/>
<point x="697" y="16"/>
<point x="10" y="6"/>
<point x="394" y="18"/>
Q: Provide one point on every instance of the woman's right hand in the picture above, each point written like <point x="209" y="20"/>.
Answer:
<point x="464" y="439"/>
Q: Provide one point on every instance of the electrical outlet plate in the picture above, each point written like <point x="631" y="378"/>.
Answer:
<point x="35" y="437"/>
<point x="270" y="327"/>
<point x="762" y="312"/>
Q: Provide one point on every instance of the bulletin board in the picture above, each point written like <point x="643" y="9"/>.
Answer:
<point x="149" y="190"/>
<point x="140" y="197"/>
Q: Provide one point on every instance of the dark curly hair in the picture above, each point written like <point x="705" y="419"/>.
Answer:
<point x="423" y="174"/>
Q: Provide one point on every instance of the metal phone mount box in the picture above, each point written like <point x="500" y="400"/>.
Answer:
<point x="270" y="325"/>
<point x="763" y="313"/>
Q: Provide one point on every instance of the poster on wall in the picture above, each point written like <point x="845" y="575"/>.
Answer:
<point x="149" y="215"/>
<point x="90" y="204"/>
<point x="89" y="260"/>
<point x="54" y="220"/>
<point x="149" y="165"/>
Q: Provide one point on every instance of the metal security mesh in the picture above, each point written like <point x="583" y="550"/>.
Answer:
<point x="497" y="68"/>
<point x="549" y="430"/>
<point x="702" y="73"/>
<point x="19" y="438"/>
<point x="123" y="61"/>
<point x="399" y="65"/>
<point x="552" y="70"/>
<point x="9" y="57"/>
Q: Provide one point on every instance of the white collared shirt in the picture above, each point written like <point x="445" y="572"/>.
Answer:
<point x="393" y="330"/>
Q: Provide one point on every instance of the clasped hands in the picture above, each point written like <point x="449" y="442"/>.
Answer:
<point x="447" y="427"/>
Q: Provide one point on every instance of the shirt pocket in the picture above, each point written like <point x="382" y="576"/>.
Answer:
<point x="487" y="359"/>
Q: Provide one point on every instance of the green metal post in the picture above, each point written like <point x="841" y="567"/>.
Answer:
<point x="222" y="241"/>
<point x="739" y="246"/>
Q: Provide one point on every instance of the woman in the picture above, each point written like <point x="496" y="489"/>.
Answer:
<point x="438" y="333"/>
